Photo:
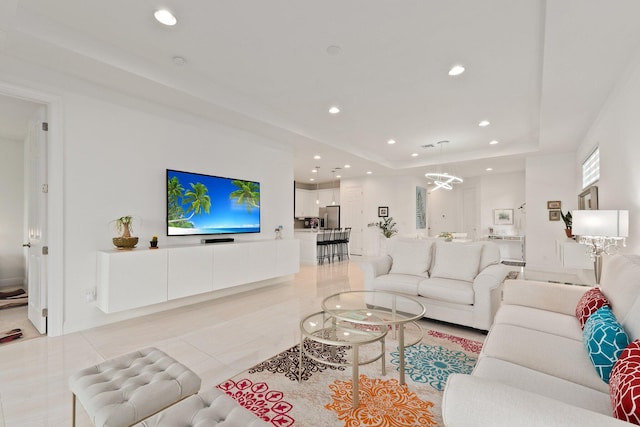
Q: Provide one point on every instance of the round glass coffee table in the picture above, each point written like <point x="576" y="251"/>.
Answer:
<point x="379" y="308"/>
<point x="337" y="342"/>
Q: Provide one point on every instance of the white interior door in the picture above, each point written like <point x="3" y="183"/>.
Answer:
<point x="352" y="216"/>
<point x="469" y="215"/>
<point x="36" y="215"/>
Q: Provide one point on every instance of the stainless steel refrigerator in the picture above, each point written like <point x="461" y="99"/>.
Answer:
<point x="330" y="217"/>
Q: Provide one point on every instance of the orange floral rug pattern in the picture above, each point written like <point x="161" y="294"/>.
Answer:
<point x="382" y="404"/>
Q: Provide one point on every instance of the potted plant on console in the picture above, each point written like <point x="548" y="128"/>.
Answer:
<point x="568" y="222"/>
<point x="124" y="226"/>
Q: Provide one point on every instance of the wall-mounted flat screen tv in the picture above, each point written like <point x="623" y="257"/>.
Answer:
<point x="200" y="204"/>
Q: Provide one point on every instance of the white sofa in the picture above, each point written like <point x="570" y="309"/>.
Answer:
<point x="534" y="369"/>
<point x="457" y="282"/>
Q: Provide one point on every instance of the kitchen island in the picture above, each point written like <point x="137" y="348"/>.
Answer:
<point x="308" y="238"/>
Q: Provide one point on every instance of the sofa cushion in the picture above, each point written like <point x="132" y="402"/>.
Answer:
<point x="455" y="291"/>
<point x="591" y="301"/>
<point x="457" y="261"/>
<point x="551" y="322"/>
<point x="548" y="353"/>
<point x="538" y="382"/>
<point x="404" y="283"/>
<point x="624" y="385"/>
<point x="411" y="257"/>
<point x="604" y="339"/>
<point x="620" y="283"/>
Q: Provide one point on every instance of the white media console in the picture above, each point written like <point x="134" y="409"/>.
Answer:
<point x="142" y="276"/>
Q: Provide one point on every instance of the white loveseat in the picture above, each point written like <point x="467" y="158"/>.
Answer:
<point x="534" y="369"/>
<point x="457" y="282"/>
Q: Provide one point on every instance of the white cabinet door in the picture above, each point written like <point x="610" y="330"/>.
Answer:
<point x="262" y="261"/>
<point x="288" y="257"/>
<point x="131" y="279"/>
<point x="305" y="205"/>
<point x="329" y="196"/>
<point x="311" y="207"/>
<point x="190" y="271"/>
<point x="231" y="265"/>
<point x="299" y="202"/>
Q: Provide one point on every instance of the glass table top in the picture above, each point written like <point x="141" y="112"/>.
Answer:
<point x="373" y="307"/>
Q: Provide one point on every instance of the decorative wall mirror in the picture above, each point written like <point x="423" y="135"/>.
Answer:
<point x="588" y="199"/>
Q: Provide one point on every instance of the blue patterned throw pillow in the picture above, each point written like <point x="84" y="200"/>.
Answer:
<point x="604" y="339"/>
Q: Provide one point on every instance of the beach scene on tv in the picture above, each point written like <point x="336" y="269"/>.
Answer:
<point x="203" y="204"/>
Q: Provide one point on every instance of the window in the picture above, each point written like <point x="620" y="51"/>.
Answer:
<point x="591" y="168"/>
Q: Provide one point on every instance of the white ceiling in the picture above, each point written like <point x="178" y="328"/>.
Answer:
<point x="538" y="70"/>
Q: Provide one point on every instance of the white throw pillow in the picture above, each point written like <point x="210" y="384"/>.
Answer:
<point x="456" y="261"/>
<point x="411" y="257"/>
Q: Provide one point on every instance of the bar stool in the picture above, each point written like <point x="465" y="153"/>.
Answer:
<point x="323" y="249"/>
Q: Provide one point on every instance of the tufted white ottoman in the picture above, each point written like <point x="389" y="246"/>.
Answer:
<point x="126" y="390"/>
<point x="206" y="409"/>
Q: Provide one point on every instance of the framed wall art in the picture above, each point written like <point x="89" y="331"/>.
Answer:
<point x="554" y="215"/>
<point x="383" y="211"/>
<point x="503" y="216"/>
<point x="554" y="204"/>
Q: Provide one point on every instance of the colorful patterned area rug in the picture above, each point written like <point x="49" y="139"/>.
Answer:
<point x="324" y="396"/>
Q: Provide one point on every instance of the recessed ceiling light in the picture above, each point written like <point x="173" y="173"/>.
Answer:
<point x="484" y="123"/>
<point x="317" y="157"/>
<point x="179" y="60"/>
<point x="414" y="154"/>
<point x="391" y="141"/>
<point x="369" y="172"/>
<point x="338" y="176"/>
<point x="456" y="70"/>
<point x="314" y="170"/>
<point x="334" y="110"/>
<point x="494" y="142"/>
<point x="347" y="166"/>
<point x="312" y="179"/>
<point x="165" y="17"/>
<point x="334" y="50"/>
<point x="489" y="169"/>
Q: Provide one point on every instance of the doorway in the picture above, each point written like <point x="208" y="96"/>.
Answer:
<point x="23" y="180"/>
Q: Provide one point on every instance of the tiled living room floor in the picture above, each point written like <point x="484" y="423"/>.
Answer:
<point x="217" y="339"/>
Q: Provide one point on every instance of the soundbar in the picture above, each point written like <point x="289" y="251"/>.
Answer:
<point x="217" y="240"/>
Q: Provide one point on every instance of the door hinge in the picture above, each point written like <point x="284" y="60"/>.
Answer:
<point x="45" y="126"/>
<point x="45" y="250"/>
<point x="45" y="188"/>
<point x="45" y="312"/>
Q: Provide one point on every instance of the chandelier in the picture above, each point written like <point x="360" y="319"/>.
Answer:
<point x="443" y="180"/>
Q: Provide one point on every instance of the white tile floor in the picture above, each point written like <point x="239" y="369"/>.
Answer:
<point x="217" y="339"/>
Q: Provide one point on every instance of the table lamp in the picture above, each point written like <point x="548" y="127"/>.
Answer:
<point x="602" y="231"/>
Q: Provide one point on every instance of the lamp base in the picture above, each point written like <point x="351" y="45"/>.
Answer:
<point x="597" y="267"/>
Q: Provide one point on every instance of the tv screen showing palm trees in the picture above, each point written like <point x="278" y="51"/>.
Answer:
<point x="205" y="204"/>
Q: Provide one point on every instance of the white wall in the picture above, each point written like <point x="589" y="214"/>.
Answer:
<point x="116" y="150"/>
<point x="12" y="261"/>
<point x="548" y="178"/>
<point x="502" y="191"/>
<point x="398" y="194"/>
<point x="115" y="166"/>
<point x="617" y="133"/>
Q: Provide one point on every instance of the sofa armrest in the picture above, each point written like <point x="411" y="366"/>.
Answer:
<point x="375" y="267"/>
<point x="470" y="401"/>
<point x="556" y="297"/>
<point x="490" y="278"/>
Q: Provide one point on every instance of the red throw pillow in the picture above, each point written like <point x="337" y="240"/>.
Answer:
<point x="624" y="385"/>
<point x="590" y="302"/>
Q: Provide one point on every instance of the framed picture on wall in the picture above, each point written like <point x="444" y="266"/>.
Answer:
<point x="554" y="215"/>
<point x="503" y="216"/>
<point x="383" y="211"/>
<point x="555" y="204"/>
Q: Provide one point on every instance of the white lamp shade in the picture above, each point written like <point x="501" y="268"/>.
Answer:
<point x="601" y="223"/>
